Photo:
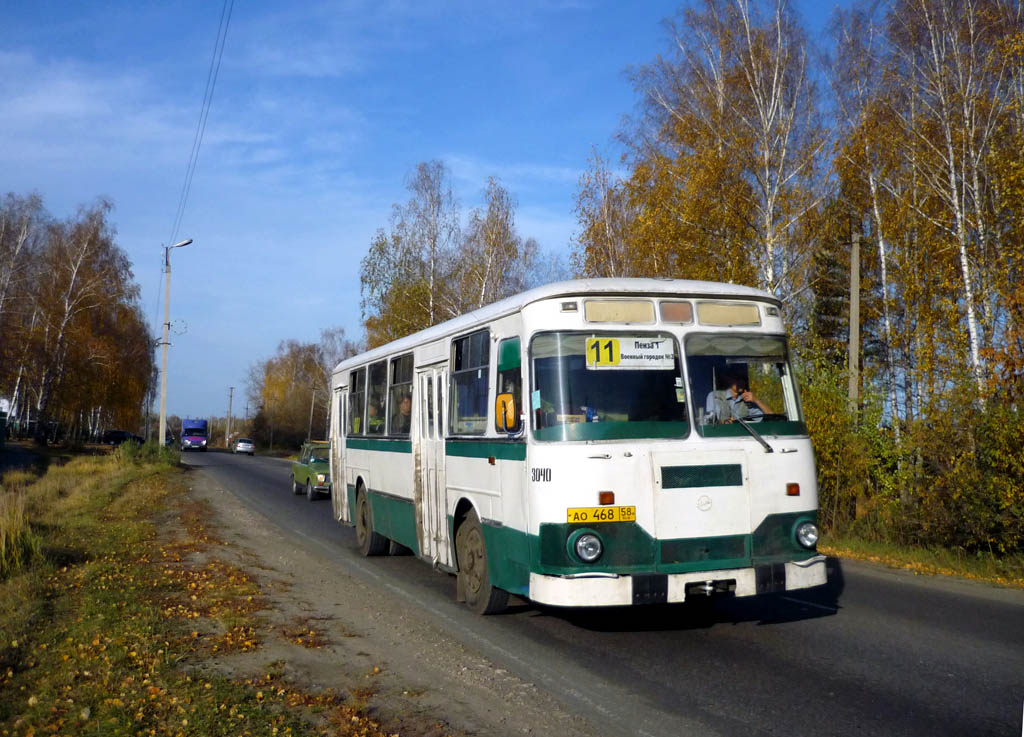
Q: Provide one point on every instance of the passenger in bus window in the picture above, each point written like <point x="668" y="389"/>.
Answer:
<point x="735" y="401"/>
<point x="375" y="423"/>
<point x="401" y="421"/>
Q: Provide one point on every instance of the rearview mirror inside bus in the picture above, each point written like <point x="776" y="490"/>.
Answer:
<point x="505" y="412"/>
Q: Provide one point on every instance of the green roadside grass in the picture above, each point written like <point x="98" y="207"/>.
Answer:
<point x="117" y="598"/>
<point x="985" y="567"/>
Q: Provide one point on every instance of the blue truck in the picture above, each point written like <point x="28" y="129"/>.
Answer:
<point x="193" y="435"/>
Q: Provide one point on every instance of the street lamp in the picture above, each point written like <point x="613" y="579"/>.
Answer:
<point x="164" y="342"/>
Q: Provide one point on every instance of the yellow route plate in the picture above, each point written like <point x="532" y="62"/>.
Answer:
<point x="591" y="515"/>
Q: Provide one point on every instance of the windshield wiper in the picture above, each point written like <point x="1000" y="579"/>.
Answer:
<point x="756" y="435"/>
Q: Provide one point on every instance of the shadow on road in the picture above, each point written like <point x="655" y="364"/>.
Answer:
<point x="702" y="613"/>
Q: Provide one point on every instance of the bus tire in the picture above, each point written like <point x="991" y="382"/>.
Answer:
<point x="395" y="548"/>
<point x="370" y="543"/>
<point x="474" y="582"/>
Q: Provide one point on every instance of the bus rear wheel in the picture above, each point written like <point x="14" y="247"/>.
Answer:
<point x="370" y="543"/>
<point x="474" y="581"/>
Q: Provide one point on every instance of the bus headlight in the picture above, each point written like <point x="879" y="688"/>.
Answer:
<point x="588" y="547"/>
<point x="807" y="534"/>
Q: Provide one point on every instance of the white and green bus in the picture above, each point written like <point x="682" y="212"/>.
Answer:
<point x="600" y="442"/>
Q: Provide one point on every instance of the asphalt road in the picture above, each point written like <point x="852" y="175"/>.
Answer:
<point x="875" y="652"/>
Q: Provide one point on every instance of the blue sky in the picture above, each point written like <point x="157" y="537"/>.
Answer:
<point x="321" y="110"/>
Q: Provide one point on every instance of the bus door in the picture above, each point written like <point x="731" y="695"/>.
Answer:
<point x="431" y="512"/>
<point x="339" y="489"/>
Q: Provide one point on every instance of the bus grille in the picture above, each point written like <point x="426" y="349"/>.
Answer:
<point x="688" y="477"/>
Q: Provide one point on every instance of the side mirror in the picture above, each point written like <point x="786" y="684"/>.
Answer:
<point x="506" y="414"/>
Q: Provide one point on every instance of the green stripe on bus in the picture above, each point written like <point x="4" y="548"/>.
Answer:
<point x="767" y="428"/>
<point x="510" y="570"/>
<point x="721" y="549"/>
<point x="395" y="519"/>
<point x="512" y="554"/>
<point x="628" y="548"/>
<point x="688" y="477"/>
<point x="774" y="540"/>
<point x="613" y="430"/>
<point x="504" y="450"/>
<point x="388" y="445"/>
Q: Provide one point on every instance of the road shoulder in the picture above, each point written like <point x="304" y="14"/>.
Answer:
<point x="416" y="678"/>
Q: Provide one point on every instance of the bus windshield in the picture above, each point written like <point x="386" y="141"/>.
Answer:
<point x="741" y="377"/>
<point x="606" y="386"/>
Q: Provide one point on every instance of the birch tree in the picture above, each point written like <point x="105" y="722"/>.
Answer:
<point x="493" y="261"/>
<point x="87" y="270"/>
<point x="19" y="228"/>
<point x="403" y="276"/>
<point x="726" y="161"/>
<point x="856" y="77"/>
<point x="949" y="51"/>
<point x="606" y="218"/>
<point x="1007" y="167"/>
<point x="75" y="351"/>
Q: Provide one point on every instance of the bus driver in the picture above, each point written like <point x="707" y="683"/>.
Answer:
<point x="735" y="401"/>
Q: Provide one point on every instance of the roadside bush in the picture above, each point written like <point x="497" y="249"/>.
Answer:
<point x="967" y="486"/>
<point x="955" y="480"/>
<point x="133" y="454"/>
<point x="847" y="446"/>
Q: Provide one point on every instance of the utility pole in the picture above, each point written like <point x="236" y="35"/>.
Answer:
<point x="270" y="421"/>
<point x="854" y="354"/>
<point x="309" y="429"/>
<point x="164" y="342"/>
<point x="227" y="435"/>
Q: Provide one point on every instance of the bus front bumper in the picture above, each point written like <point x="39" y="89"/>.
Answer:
<point x="609" y="589"/>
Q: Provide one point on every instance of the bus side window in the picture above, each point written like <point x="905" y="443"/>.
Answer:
<point x="377" y="397"/>
<point x="400" y="396"/>
<point x="468" y="396"/>
<point x="510" y="381"/>
<point x="356" y="407"/>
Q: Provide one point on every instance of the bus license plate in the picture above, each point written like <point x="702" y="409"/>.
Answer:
<point x="591" y="515"/>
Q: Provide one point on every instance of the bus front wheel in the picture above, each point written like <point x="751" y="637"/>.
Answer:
<point x="370" y="543"/>
<point x="474" y="581"/>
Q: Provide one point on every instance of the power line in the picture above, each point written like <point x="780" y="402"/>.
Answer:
<point x="197" y="140"/>
<point x="204" y="113"/>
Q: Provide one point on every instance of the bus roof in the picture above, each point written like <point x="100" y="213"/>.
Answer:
<point x="620" y="287"/>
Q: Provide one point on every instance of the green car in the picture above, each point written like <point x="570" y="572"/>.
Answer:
<point x="312" y="472"/>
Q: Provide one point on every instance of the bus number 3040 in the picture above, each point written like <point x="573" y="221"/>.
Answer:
<point x="541" y="474"/>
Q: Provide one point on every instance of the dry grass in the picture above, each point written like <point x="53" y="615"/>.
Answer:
<point x="106" y="631"/>
<point x="18" y="544"/>
<point x="1000" y="570"/>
